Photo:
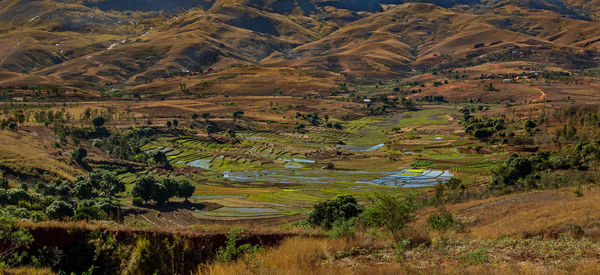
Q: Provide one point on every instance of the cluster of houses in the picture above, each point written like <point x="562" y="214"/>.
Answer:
<point x="509" y="78"/>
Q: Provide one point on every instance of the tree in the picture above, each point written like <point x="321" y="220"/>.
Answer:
<point x="13" y="237"/>
<point x="168" y="124"/>
<point x="186" y="189"/>
<point x="205" y="115"/>
<point x="211" y="129"/>
<point x="237" y="114"/>
<point x="98" y="121"/>
<point x="111" y="185"/>
<point x="159" y="157"/>
<point x="12" y="125"/>
<point x="137" y="201"/>
<point x="159" y="193"/>
<point x="59" y="209"/>
<point x="391" y="212"/>
<point x="195" y="116"/>
<point x="529" y="125"/>
<point x="143" y="188"/>
<point x="84" y="189"/>
<point x="342" y="207"/>
<point x="78" y="154"/>
<point x="4" y="183"/>
<point x="232" y="135"/>
<point x="172" y="186"/>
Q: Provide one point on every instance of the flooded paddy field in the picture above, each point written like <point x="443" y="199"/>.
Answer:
<point x="285" y="173"/>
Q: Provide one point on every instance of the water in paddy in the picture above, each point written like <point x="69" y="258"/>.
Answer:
<point x="295" y="171"/>
<point x="360" y="148"/>
<point x="403" y="178"/>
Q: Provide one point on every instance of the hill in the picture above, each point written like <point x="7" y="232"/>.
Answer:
<point x="102" y="45"/>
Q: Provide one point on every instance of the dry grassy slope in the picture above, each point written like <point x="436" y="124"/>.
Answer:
<point x="68" y="44"/>
<point x="529" y="214"/>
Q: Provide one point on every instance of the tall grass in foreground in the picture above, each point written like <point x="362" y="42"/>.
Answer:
<point x="304" y="255"/>
<point x="296" y="255"/>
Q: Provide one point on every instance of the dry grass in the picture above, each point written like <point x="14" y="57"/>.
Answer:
<point x="547" y="213"/>
<point x="294" y="256"/>
<point x="301" y="255"/>
<point x="25" y="153"/>
<point x="26" y="271"/>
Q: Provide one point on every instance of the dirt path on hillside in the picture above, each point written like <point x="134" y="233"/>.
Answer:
<point x="542" y="96"/>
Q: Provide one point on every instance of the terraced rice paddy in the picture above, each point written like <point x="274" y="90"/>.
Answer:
<point x="280" y="173"/>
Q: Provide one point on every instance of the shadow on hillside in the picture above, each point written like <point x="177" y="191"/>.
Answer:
<point x="174" y="206"/>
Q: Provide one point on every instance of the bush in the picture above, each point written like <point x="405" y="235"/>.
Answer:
<point x="342" y="229"/>
<point x="59" y="210"/>
<point x="342" y="207"/>
<point x="442" y="221"/>
<point x="475" y="257"/>
<point x="422" y="163"/>
<point x="137" y="201"/>
<point x="232" y="250"/>
<point x="98" y="121"/>
<point x="391" y="212"/>
<point x="12" y="237"/>
<point x="78" y="154"/>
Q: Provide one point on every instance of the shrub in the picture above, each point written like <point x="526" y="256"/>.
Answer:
<point x="475" y="257"/>
<point x="59" y="209"/>
<point x="342" y="207"/>
<point x="342" y="229"/>
<point x="232" y="250"/>
<point x="12" y="237"/>
<point x="98" y="121"/>
<point x="78" y="154"/>
<point x="137" y="201"/>
<point x="4" y="183"/>
<point x="391" y="212"/>
<point x="454" y="183"/>
<point x="422" y="163"/>
<point x="442" y="221"/>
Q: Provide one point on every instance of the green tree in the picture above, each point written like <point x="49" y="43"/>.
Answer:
<point x="4" y="183"/>
<point x="160" y="193"/>
<point x="237" y="114"/>
<point x="143" y="188"/>
<point x="168" y="124"/>
<point x="111" y="185"/>
<point x="186" y="189"/>
<point x="211" y="129"/>
<point x="391" y="212"/>
<point x="84" y="189"/>
<point x="342" y="207"/>
<point x="529" y="125"/>
<point x="78" y="154"/>
<point x="137" y="201"/>
<point x="159" y="157"/>
<point x="172" y="186"/>
<point x="98" y="121"/>
<point x="13" y="237"/>
<point x="59" y="209"/>
<point x="232" y="249"/>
